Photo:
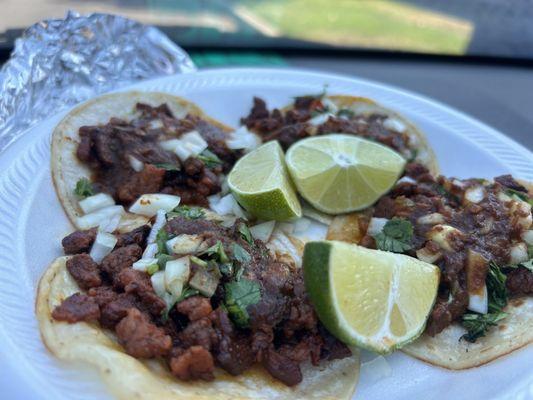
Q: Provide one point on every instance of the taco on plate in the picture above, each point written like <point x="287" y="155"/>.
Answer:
<point x="192" y="307"/>
<point x="121" y="146"/>
<point x="480" y="234"/>
<point x="323" y="114"/>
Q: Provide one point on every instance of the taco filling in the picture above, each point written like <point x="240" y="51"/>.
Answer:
<point x="155" y="152"/>
<point x="199" y="295"/>
<point x="478" y="232"/>
<point x="319" y="115"/>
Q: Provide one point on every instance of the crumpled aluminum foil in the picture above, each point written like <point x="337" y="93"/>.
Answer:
<point x="58" y="63"/>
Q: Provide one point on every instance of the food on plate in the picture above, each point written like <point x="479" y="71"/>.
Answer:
<point x="121" y="146"/>
<point x="322" y="114"/>
<point x="342" y="173"/>
<point x="191" y="307"/>
<point x="262" y="185"/>
<point x="480" y="234"/>
<point x="369" y="298"/>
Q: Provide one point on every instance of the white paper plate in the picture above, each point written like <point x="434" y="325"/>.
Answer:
<point x="33" y="223"/>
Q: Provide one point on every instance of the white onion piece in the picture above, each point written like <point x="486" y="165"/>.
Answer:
<point x="301" y="225"/>
<point x="143" y="264"/>
<point x="194" y="142"/>
<point x="479" y="302"/>
<point x="406" y="179"/>
<point x="330" y="106"/>
<point x="263" y="231"/>
<point x="149" y="204"/>
<point x="158" y="283"/>
<point x="176" y="274"/>
<point x="320" y="119"/>
<point x="519" y="253"/>
<point x="155" y="124"/>
<point x="425" y="255"/>
<point x="475" y="194"/>
<point x="376" y="226"/>
<point x="96" y="202"/>
<point x="228" y="221"/>
<point x="527" y="236"/>
<point x="184" y="244"/>
<point x="237" y="209"/>
<point x="242" y="138"/>
<point x="183" y="152"/>
<point x="170" y="145"/>
<point x="440" y="235"/>
<point x="522" y="211"/>
<point x="286" y="227"/>
<point x="102" y="246"/>
<point x="97" y="217"/>
<point x="110" y="225"/>
<point x="502" y="196"/>
<point x="213" y="200"/>
<point x="136" y="164"/>
<point x="160" y="221"/>
<point x="150" y="251"/>
<point x="433" y="218"/>
<point x="224" y="187"/>
<point x="223" y="206"/>
<point x="394" y="124"/>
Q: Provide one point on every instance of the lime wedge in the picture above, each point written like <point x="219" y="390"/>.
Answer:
<point x="260" y="183"/>
<point x="342" y="173"/>
<point x="369" y="298"/>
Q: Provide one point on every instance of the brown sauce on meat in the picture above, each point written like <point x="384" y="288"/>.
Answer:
<point x="107" y="150"/>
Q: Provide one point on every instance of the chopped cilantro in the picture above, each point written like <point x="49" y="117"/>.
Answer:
<point x="209" y="158"/>
<point x="478" y="324"/>
<point x="162" y="260"/>
<point x="396" y="236"/>
<point x="152" y="269"/>
<point x="226" y="269"/>
<point x="217" y="250"/>
<point x="519" y="195"/>
<point x="245" y="233"/>
<point x="187" y="212"/>
<point x="240" y="254"/>
<point x="240" y="295"/>
<point x="171" y="302"/>
<point x="161" y="240"/>
<point x="198" y="261"/>
<point x="167" y="166"/>
<point x="84" y="188"/>
<point x="496" y="288"/>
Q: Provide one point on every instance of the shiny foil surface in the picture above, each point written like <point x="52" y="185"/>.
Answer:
<point x="58" y="63"/>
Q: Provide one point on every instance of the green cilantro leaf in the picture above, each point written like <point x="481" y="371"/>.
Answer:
<point x="161" y="240"/>
<point x="226" y="269"/>
<point x="518" y="194"/>
<point x="240" y="295"/>
<point x="496" y="288"/>
<point x="209" y="158"/>
<point x="396" y="236"/>
<point x="187" y="212"/>
<point x="217" y="250"/>
<point x="152" y="269"/>
<point x="477" y="325"/>
<point x="240" y="254"/>
<point x="245" y="233"/>
<point x="84" y="188"/>
<point x="162" y="260"/>
<point x="167" y="166"/>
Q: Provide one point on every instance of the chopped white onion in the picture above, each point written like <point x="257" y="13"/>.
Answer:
<point x="149" y="204"/>
<point x="194" y="142"/>
<point x="150" y="251"/>
<point x="394" y="124"/>
<point x="176" y="274"/>
<point x="158" y="283"/>
<point x="184" y="244"/>
<point x="527" y="236"/>
<point x="155" y="124"/>
<point x="144" y="263"/>
<point x="224" y="187"/>
<point x="406" y="179"/>
<point x="376" y="226"/>
<point x="110" y="225"/>
<point x="102" y="246"/>
<point x="238" y="210"/>
<point x="502" y="196"/>
<point x="97" y="217"/>
<point x="301" y="225"/>
<point x="242" y="138"/>
<point x="519" y="253"/>
<point x="160" y="221"/>
<point x="263" y="231"/>
<point x="479" y="302"/>
<point x="522" y="212"/>
<point x="431" y="219"/>
<point x="170" y="145"/>
<point x="425" y="255"/>
<point x="136" y="164"/>
<point x="330" y="106"/>
<point x="320" y="119"/>
<point x="96" y="202"/>
<point x="183" y="152"/>
<point x="440" y="235"/>
<point x="475" y="194"/>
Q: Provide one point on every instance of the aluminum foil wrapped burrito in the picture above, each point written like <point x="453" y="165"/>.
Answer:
<point x="58" y="63"/>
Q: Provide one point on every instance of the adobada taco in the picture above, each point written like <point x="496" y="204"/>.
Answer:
<point x="123" y="145"/>
<point x="480" y="234"/>
<point x="324" y="114"/>
<point x="196" y="311"/>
